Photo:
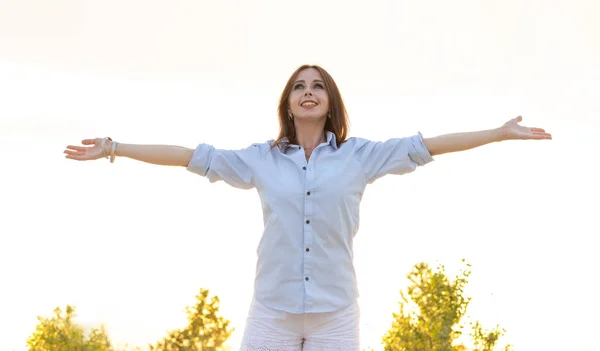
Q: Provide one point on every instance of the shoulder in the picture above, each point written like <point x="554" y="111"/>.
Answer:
<point x="359" y="143"/>
<point x="262" y="145"/>
<point x="260" y="149"/>
<point x="355" y="143"/>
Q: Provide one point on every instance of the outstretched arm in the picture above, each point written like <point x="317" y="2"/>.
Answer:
<point x="165" y="155"/>
<point x="511" y="130"/>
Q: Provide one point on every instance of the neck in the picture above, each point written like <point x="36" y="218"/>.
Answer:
<point x="310" y="134"/>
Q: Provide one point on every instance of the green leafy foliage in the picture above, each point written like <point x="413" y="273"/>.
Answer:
<point x="430" y="313"/>
<point x="61" y="333"/>
<point x="206" y="329"/>
<point x="486" y="340"/>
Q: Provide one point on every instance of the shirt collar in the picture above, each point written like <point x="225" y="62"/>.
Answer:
<point x="330" y="139"/>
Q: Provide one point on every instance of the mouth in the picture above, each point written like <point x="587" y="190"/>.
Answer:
<point x="309" y="103"/>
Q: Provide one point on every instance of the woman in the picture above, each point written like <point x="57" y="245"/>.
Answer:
<point x="310" y="181"/>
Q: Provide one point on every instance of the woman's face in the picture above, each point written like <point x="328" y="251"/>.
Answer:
<point x="308" y="99"/>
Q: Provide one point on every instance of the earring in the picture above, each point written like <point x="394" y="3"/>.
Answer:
<point x="329" y="115"/>
<point x="290" y="116"/>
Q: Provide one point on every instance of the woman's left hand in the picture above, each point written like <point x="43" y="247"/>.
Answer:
<point x="511" y="130"/>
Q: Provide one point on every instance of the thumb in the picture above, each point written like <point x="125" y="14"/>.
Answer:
<point x="519" y="119"/>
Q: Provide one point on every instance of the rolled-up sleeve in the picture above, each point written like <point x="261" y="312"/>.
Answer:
<point x="394" y="156"/>
<point x="234" y="167"/>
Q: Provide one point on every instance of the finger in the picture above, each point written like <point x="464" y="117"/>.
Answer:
<point x="519" y="119"/>
<point x="75" y="152"/>
<point x="537" y="130"/>
<point x="88" y="141"/>
<point x="77" y="148"/>
<point x="542" y="136"/>
<point x="76" y="157"/>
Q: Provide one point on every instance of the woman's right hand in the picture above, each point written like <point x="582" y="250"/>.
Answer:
<point x="87" y="153"/>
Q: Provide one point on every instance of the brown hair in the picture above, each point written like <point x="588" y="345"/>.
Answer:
<point x="338" y="124"/>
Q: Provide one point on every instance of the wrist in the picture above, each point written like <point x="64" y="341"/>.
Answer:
<point x="499" y="134"/>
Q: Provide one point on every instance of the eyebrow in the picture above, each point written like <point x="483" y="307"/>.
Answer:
<point x="302" y="81"/>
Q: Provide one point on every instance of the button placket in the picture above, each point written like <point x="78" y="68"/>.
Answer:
<point x="308" y="213"/>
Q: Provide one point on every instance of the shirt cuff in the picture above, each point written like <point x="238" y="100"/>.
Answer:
<point x="201" y="159"/>
<point x="419" y="152"/>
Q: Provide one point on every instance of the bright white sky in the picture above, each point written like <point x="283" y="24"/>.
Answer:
<point x="130" y="244"/>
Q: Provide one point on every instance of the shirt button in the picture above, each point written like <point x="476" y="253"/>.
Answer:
<point x="308" y="193"/>
<point x="304" y="168"/>
<point x="306" y="278"/>
<point x="307" y="249"/>
<point x="307" y="221"/>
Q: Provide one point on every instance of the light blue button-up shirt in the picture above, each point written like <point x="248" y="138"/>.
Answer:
<point x="310" y="211"/>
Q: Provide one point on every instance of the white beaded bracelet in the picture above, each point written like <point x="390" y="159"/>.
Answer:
<point x="102" y="143"/>
<point x="112" y="151"/>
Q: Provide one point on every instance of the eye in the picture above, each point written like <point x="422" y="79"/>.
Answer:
<point x="319" y="85"/>
<point x="298" y="86"/>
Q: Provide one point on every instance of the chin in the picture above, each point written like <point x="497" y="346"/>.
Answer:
<point x="311" y="117"/>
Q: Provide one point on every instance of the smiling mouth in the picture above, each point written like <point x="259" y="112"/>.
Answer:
<point x="308" y="104"/>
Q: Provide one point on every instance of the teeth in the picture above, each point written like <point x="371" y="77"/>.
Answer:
<point x="309" y="104"/>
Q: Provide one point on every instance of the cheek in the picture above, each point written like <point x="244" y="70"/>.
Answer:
<point x="290" y="103"/>
<point x="294" y="98"/>
<point x="325" y="101"/>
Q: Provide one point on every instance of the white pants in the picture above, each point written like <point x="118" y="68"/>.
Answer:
<point x="273" y="330"/>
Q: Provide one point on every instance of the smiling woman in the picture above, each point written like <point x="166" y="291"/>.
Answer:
<point x="310" y="181"/>
<point x="309" y="96"/>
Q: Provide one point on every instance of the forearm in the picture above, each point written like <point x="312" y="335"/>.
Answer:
<point x="165" y="155"/>
<point x="461" y="141"/>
